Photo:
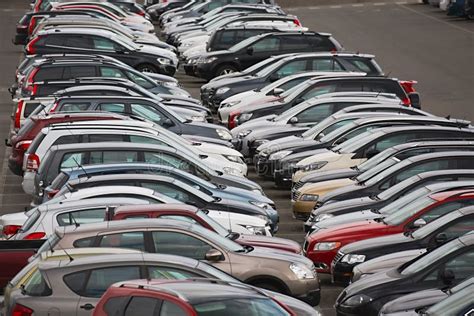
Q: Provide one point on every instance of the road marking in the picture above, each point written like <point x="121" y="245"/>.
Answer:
<point x="379" y="3"/>
<point x="335" y="6"/>
<point x="436" y="19"/>
<point x="358" y="5"/>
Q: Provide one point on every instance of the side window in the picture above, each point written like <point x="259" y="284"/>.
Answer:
<point x="146" y="140"/>
<point x="292" y="83"/>
<point x="81" y="217"/>
<point x="444" y="209"/>
<point x="36" y="285"/>
<point x="75" y="281"/>
<point x="112" y="72"/>
<point x="105" y="157"/>
<point x="115" y="305"/>
<point x="49" y="73"/>
<point x="141" y="81"/>
<point x="168" y="160"/>
<point x="148" y="112"/>
<point x="100" y="279"/>
<point x="101" y="43"/>
<point x="319" y="89"/>
<point x="179" y="218"/>
<point x="84" y="242"/>
<point x="227" y="38"/>
<point x="106" y="138"/>
<point x="78" y="42"/>
<point x="112" y="107"/>
<point x="171" y="309"/>
<point x="72" y="160"/>
<point x="459" y="228"/>
<point x="55" y="40"/>
<point x="270" y="44"/>
<point x="315" y="113"/>
<point x="461" y="265"/>
<point x="294" y="42"/>
<point x="419" y="168"/>
<point x="325" y="64"/>
<point x="292" y="68"/>
<point x="134" y="240"/>
<point x="385" y="143"/>
<point x="78" y="72"/>
<point x="141" y="305"/>
<point x="180" y="244"/>
<point x="349" y="86"/>
<point x="75" y="107"/>
<point x="170" y="273"/>
<point x="169" y="190"/>
<point x="362" y="65"/>
<point x="68" y="139"/>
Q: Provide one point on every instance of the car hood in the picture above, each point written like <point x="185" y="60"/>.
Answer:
<point x="378" y="242"/>
<point x="414" y="301"/>
<point x="349" y="232"/>
<point x="325" y="155"/>
<point x="368" y="283"/>
<point x="343" y="219"/>
<point x="247" y="95"/>
<point x="276" y="254"/>
<point x="276" y="130"/>
<point x="216" y="149"/>
<point x="205" y="125"/>
<point x="329" y="175"/>
<point x="216" y="53"/>
<point x="227" y="81"/>
<point x="228" y="178"/>
<point x="269" y="242"/>
<point x="295" y="143"/>
<point x="353" y="188"/>
<point x="158" y="52"/>
<point x="333" y="207"/>
<point x="265" y="103"/>
<point x="260" y="122"/>
<point x="246" y="195"/>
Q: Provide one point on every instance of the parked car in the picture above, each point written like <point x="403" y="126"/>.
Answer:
<point x="282" y="271"/>
<point x="445" y="266"/>
<point x="155" y="9"/>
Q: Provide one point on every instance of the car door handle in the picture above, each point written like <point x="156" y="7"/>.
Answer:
<point x="87" y="307"/>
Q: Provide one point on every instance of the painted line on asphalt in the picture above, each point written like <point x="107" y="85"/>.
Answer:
<point x="436" y="19"/>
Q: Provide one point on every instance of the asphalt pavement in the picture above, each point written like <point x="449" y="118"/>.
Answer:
<point x="410" y="41"/>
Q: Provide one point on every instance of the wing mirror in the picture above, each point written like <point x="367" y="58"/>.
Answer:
<point x="415" y="100"/>
<point x="274" y="77"/>
<point x="294" y="120"/>
<point x="277" y="91"/>
<point x="372" y="153"/>
<point x="441" y="238"/>
<point x="168" y="123"/>
<point x="447" y="276"/>
<point x="250" y="50"/>
<point x="214" y="255"/>
<point x="418" y="223"/>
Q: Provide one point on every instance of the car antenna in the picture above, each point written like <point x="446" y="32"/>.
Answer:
<point x="389" y="73"/>
<point x="82" y="168"/>
<point x="73" y="219"/>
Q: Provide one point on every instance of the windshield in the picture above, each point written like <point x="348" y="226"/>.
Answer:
<point x="215" y="225"/>
<point x="435" y="225"/>
<point x="376" y="169"/>
<point x="397" y="188"/>
<point x="353" y="144"/>
<point x="338" y="132"/>
<point x="455" y="304"/>
<point x="259" y="65"/>
<point x="390" y="171"/>
<point x="218" y="239"/>
<point x="241" y="306"/>
<point x="375" y="160"/>
<point x="267" y="70"/>
<point x="399" y="216"/>
<point x="438" y="253"/>
<point x="401" y="202"/>
<point x="244" y="43"/>
<point x="49" y="244"/>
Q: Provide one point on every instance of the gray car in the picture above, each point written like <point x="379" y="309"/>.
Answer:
<point x="276" y="270"/>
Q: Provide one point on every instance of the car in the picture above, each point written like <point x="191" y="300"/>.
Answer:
<point x="320" y="86"/>
<point x="131" y="6"/>
<point x="260" y="47"/>
<point x="156" y="9"/>
<point x="281" y="271"/>
<point x="376" y="202"/>
<point x="424" y="299"/>
<point x="444" y="229"/>
<point x="22" y="140"/>
<point x="374" y="142"/>
<point x="143" y="58"/>
<point x="221" y="88"/>
<point x="323" y="244"/>
<point x="445" y="266"/>
<point x="186" y="298"/>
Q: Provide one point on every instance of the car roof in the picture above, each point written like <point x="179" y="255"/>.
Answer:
<point x="440" y="155"/>
<point x="122" y="166"/>
<point x="155" y="208"/>
<point x="67" y="204"/>
<point x="59" y="254"/>
<point x="111" y="145"/>
<point x="78" y="30"/>
<point x="440" y="196"/>
<point x="393" y="129"/>
<point x="405" y="118"/>
<point x="53" y="115"/>
<point x="324" y="54"/>
<point x="435" y="143"/>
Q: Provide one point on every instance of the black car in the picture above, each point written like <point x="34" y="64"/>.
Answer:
<point x="155" y="10"/>
<point x="214" y="92"/>
<point x="142" y="58"/>
<point x="260" y="47"/>
<point x="145" y="108"/>
<point x="320" y="86"/>
<point x="445" y="266"/>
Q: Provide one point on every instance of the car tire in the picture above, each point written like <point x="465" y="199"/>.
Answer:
<point x="269" y="285"/>
<point x="147" y="68"/>
<point x="225" y="70"/>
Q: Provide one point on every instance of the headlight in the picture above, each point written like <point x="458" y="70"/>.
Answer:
<point x="353" y="259"/>
<point x="260" y="142"/>
<point x="164" y="61"/>
<point x="256" y="230"/>
<point x="207" y="60"/>
<point x="309" y="197"/>
<point x="265" y="218"/>
<point x="301" y="271"/>
<point x="170" y="84"/>
<point x="222" y="90"/>
<point x="258" y="191"/>
<point x="188" y="44"/>
<point x="326" y="246"/>
<point x="232" y="171"/>
<point x="228" y="105"/>
<point x="314" y="166"/>
<point x="244" y="133"/>
<point x="280" y="155"/>
<point x="244" y="117"/>
<point x="197" y="118"/>
<point x="323" y="217"/>
<point x="261" y="204"/>
<point x="235" y="159"/>
<point x="224" y="134"/>
<point x="357" y="300"/>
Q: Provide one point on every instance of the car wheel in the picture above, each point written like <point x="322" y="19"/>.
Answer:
<point x="147" y="68"/>
<point x="225" y="70"/>
<point x="269" y="285"/>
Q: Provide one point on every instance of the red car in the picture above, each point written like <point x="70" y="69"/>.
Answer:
<point x="322" y="245"/>
<point x="193" y="214"/>
<point x="191" y="297"/>
<point x="23" y="139"/>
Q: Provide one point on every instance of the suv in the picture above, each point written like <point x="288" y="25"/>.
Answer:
<point x="143" y="58"/>
<point x="260" y="47"/>
<point x="213" y="93"/>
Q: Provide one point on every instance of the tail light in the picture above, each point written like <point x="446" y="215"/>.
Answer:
<point x="34" y="89"/>
<point x="55" y="106"/>
<point x="23" y="145"/>
<point x="406" y="101"/>
<point x="19" y="110"/>
<point x="10" y="230"/>
<point x="32" y="25"/>
<point x="141" y="13"/>
<point x="20" y="310"/>
<point x="37" y="5"/>
<point x="33" y="236"/>
<point x="408" y="85"/>
<point x="32" y="162"/>
<point x="232" y="121"/>
<point x="52" y="193"/>
<point x="30" y="47"/>
<point x="31" y="77"/>
<point x="297" y="22"/>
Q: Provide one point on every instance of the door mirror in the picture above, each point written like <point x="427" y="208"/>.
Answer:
<point x="299" y="100"/>
<point x="371" y="153"/>
<point x="441" y="238"/>
<point x="274" y="77"/>
<point x="250" y="50"/>
<point x="415" y="99"/>
<point x="167" y="123"/>
<point x="447" y="276"/>
<point x="277" y="91"/>
<point x="214" y="255"/>
<point x="294" y="120"/>
<point x="418" y="223"/>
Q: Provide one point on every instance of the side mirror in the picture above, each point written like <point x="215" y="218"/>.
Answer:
<point x="371" y="153"/>
<point x="418" y="223"/>
<point x="167" y="123"/>
<point x="277" y="91"/>
<point x="250" y="50"/>
<point x="441" y="238"/>
<point x="299" y="100"/>
<point x="293" y="120"/>
<point x="415" y="99"/>
<point x="447" y="276"/>
<point x="214" y="255"/>
<point x="274" y="77"/>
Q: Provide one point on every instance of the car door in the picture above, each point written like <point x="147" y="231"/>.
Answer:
<point x="288" y="69"/>
<point x="452" y="230"/>
<point x="325" y="64"/>
<point x="187" y="245"/>
<point x="258" y="51"/>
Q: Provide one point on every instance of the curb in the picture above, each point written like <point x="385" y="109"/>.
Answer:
<point x="311" y="3"/>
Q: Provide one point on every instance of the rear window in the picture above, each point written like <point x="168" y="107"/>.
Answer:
<point x="35" y="143"/>
<point x="29" y="108"/>
<point x="366" y="65"/>
<point x="26" y="128"/>
<point x="49" y="73"/>
<point x="30" y="221"/>
<point x="59" y="181"/>
<point x="37" y="285"/>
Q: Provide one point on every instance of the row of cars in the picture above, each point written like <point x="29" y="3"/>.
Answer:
<point x="140" y="205"/>
<point x="461" y="8"/>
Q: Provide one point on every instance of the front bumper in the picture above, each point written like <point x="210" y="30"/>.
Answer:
<point x="321" y="259"/>
<point x="282" y="178"/>
<point x="302" y="209"/>
<point x="312" y="298"/>
<point x="341" y="272"/>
